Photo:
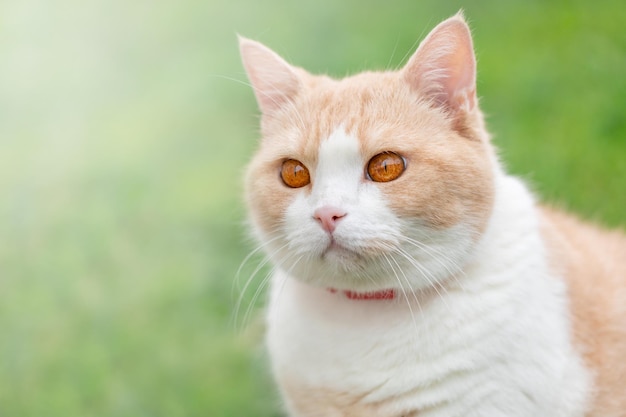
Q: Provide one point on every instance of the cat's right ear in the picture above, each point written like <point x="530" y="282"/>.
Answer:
<point x="274" y="81"/>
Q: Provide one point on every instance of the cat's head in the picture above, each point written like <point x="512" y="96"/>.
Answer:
<point x="379" y="180"/>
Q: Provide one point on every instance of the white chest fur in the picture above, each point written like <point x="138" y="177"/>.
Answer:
<point x="495" y="342"/>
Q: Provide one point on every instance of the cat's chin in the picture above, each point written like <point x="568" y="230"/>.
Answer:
<point x="331" y="264"/>
<point x="336" y="252"/>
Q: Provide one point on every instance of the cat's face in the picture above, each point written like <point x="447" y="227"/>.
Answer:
<point x="381" y="180"/>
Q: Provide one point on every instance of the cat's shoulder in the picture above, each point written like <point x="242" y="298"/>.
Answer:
<point x="582" y="242"/>
<point x="592" y="262"/>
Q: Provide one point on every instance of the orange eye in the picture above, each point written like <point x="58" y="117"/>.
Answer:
<point x="294" y="174"/>
<point x="385" y="167"/>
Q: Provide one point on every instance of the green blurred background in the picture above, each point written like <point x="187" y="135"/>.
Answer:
<point x="124" y="130"/>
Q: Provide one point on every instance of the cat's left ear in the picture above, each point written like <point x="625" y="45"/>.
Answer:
<point x="443" y="69"/>
<point x="274" y="81"/>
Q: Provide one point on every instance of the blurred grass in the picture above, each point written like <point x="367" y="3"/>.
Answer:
<point x="123" y="139"/>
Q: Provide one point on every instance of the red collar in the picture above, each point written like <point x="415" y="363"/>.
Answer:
<point x="388" y="294"/>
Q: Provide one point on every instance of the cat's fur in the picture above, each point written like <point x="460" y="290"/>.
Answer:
<point x="503" y="307"/>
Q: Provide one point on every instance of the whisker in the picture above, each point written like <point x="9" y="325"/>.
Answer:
<point x="431" y="250"/>
<point x="439" y="257"/>
<point x="406" y="279"/>
<point x="247" y="258"/>
<point x="393" y="52"/>
<point x="432" y="282"/>
<point x="264" y="282"/>
<point x="233" y="79"/>
<point x="267" y="279"/>
<point x="260" y="266"/>
<point x="406" y="297"/>
<point x="238" y="305"/>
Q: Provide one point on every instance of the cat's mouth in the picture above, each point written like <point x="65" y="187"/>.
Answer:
<point x="337" y="250"/>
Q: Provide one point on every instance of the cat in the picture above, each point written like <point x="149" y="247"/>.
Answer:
<point x="412" y="275"/>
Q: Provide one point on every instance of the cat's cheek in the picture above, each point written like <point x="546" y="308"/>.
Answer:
<point x="267" y="197"/>
<point x="444" y="194"/>
<point x="420" y="199"/>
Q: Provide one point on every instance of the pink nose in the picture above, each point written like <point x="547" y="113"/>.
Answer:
<point x="328" y="216"/>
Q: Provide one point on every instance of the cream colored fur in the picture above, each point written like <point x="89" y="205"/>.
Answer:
<point x="503" y="308"/>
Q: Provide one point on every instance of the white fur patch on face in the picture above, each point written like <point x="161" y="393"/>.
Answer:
<point x="339" y="171"/>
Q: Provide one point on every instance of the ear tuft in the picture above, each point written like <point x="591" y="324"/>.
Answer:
<point x="274" y="81"/>
<point x="443" y="68"/>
